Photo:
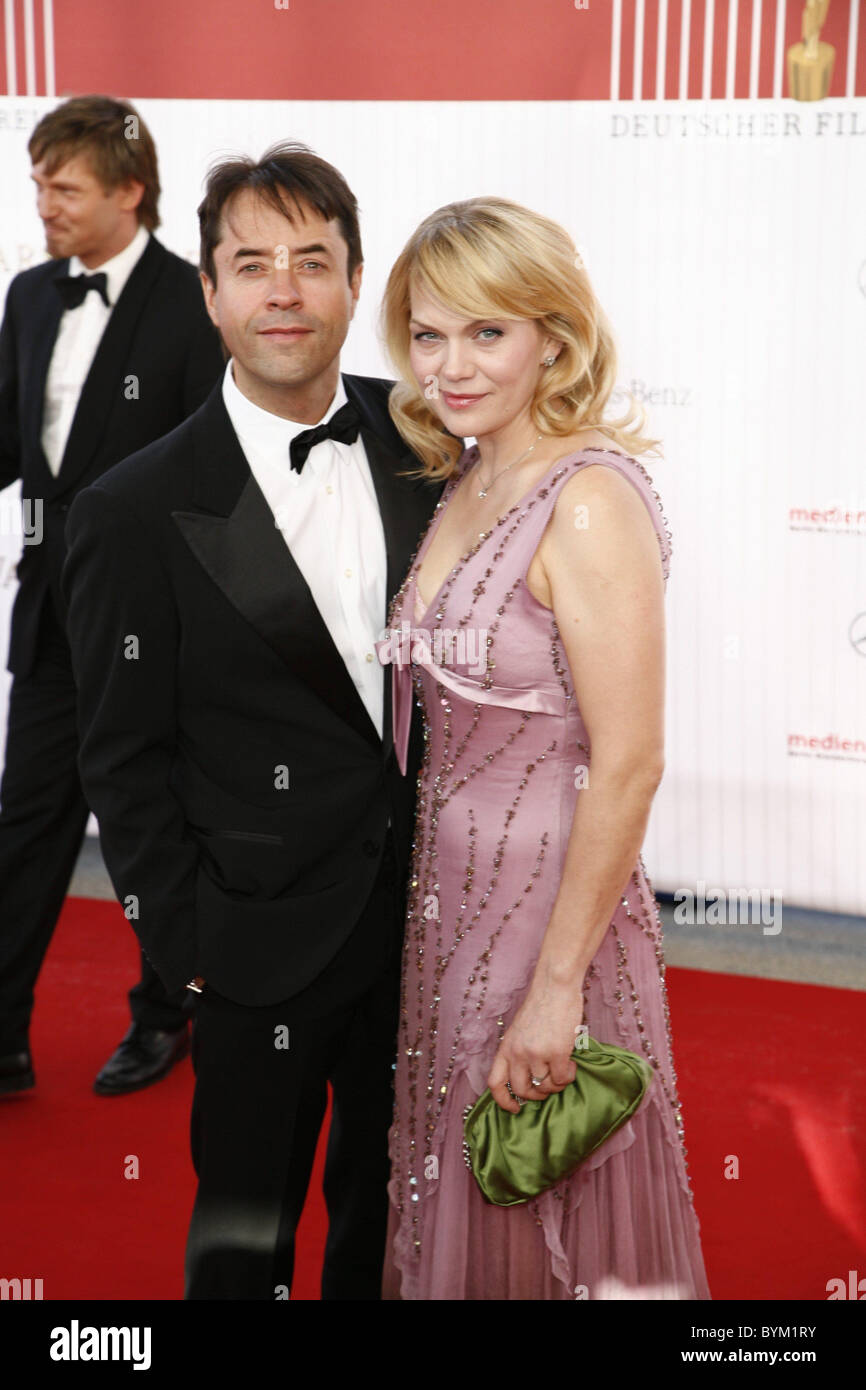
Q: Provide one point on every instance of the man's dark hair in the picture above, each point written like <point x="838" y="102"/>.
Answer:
<point x="114" y="139"/>
<point x="287" y="175"/>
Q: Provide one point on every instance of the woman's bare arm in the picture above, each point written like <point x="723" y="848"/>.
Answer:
<point x="605" y="581"/>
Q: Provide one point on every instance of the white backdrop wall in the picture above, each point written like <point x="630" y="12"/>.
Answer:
<point x="727" y="242"/>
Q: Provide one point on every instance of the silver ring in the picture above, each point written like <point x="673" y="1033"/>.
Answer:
<point x="537" y="1080"/>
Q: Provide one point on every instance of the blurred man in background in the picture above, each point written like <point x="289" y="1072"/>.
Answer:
<point x="103" y="348"/>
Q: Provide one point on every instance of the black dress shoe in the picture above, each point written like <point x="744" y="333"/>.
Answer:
<point x="145" y="1055"/>
<point x="16" y="1073"/>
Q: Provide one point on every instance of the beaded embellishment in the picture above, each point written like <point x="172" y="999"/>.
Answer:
<point x="455" y="956"/>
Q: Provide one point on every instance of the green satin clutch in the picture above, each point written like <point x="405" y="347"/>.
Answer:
<point x="515" y="1157"/>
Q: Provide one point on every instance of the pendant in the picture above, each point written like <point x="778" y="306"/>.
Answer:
<point x="483" y="492"/>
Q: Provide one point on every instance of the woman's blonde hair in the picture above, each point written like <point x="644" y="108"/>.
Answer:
<point x="491" y="258"/>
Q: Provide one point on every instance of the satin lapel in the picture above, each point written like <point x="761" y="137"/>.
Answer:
<point x="105" y="379"/>
<point x="48" y="311"/>
<point x="405" y="504"/>
<point x="401" y="507"/>
<point x="245" y="555"/>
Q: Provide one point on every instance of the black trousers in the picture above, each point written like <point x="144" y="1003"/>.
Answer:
<point x="260" y="1098"/>
<point x="43" y="818"/>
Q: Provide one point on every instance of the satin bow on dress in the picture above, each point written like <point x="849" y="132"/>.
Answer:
<point x="410" y="644"/>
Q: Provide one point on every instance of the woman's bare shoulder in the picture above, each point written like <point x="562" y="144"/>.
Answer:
<point x="618" y="510"/>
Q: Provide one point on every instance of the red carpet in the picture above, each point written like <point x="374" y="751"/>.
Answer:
<point x="771" y="1075"/>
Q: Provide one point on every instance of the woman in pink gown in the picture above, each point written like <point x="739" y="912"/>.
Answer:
<point x="530" y="629"/>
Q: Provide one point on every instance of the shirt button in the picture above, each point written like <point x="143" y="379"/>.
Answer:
<point x="348" y="574"/>
<point x="329" y="488"/>
<point x="369" y="656"/>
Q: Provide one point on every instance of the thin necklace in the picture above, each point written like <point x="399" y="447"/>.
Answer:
<point x="485" y="489"/>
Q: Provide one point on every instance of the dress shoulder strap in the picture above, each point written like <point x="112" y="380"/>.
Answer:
<point x="536" y="509"/>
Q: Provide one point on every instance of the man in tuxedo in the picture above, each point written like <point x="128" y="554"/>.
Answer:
<point x="226" y="587"/>
<point x="92" y="367"/>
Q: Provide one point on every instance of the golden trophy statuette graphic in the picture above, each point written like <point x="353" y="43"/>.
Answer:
<point x="810" y="63"/>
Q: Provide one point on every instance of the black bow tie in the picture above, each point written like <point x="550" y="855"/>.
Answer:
<point x="343" y="426"/>
<point x="73" y="288"/>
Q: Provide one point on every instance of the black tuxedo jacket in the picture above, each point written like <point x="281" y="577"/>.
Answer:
<point x="159" y="333"/>
<point x="208" y="680"/>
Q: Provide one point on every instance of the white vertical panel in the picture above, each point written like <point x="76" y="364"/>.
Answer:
<point x="615" y="48"/>
<point x="851" y="65"/>
<point x="48" y="29"/>
<point x="11" y="56"/>
<point x="29" y="48"/>
<point x="779" y="52"/>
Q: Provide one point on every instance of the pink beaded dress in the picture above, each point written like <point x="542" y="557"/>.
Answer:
<point x="503" y="739"/>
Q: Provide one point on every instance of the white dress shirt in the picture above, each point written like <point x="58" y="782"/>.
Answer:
<point x="329" y="519"/>
<point x="75" y="346"/>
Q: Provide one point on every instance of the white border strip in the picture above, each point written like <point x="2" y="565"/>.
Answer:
<point x="29" y="48"/>
<point x="709" y="25"/>
<point x="755" y="55"/>
<point x="48" y="37"/>
<point x="615" y="38"/>
<point x="11" y="65"/>
<point x="779" y="56"/>
<point x="851" y="68"/>
<point x="637" y="76"/>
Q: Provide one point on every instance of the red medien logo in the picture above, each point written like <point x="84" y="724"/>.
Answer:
<point x="837" y="517"/>
<point x="827" y="746"/>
